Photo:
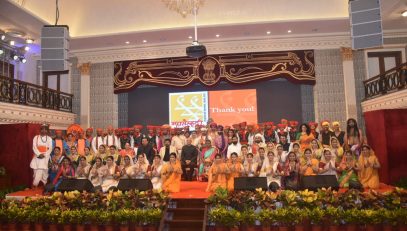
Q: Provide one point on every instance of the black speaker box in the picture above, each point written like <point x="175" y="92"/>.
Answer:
<point x="139" y="184"/>
<point x="319" y="181"/>
<point x="250" y="183"/>
<point x="76" y="184"/>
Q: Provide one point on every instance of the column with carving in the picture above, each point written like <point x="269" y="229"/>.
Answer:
<point x="349" y="82"/>
<point x="85" y="94"/>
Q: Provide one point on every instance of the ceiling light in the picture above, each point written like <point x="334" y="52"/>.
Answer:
<point x="23" y="60"/>
<point x="1" y="52"/>
<point x="29" y="41"/>
<point x="3" y="37"/>
<point x="289" y="31"/>
<point x="268" y="32"/>
<point x="26" y="48"/>
<point x="15" y="57"/>
<point x="184" y="7"/>
<point x="190" y="37"/>
<point x="404" y="14"/>
<point x="127" y="42"/>
<point x="144" y="41"/>
<point x="12" y="43"/>
<point x="217" y="36"/>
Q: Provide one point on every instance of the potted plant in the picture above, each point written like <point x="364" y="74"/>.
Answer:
<point x="351" y="217"/>
<point x="316" y="217"/>
<point x="12" y="214"/>
<point x="284" y="218"/>
<point x="217" y="214"/>
<point x="401" y="216"/>
<point x="136" y="219"/>
<point x="248" y="219"/>
<point x="36" y="216"/>
<point x="65" y="220"/>
<point x="52" y="219"/>
<point x="370" y="218"/>
<point x="105" y="218"/>
<point x="389" y="219"/>
<point x="152" y="218"/>
<point x="333" y="217"/>
<point x="122" y="218"/>
<point x="299" y="217"/>
<point x="93" y="217"/>
<point x="268" y="219"/>
<point x="79" y="218"/>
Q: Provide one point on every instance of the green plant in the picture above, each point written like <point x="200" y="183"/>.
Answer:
<point x="122" y="217"/>
<point x="135" y="216"/>
<point x="286" y="216"/>
<point x="220" y="196"/>
<point x="35" y="215"/>
<point x="152" y="216"/>
<point x="370" y="216"/>
<point x="221" y="215"/>
<point x="388" y="217"/>
<point x="52" y="216"/>
<point x="249" y="217"/>
<point x="401" y="216"/>
<point x="267" y="217"/>
<point x="351" y="216"/>
<point x="316" y="215"/>
<point x="334" y="215"/>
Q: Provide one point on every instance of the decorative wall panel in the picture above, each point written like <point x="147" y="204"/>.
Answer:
<point x="76" y="89"/>
<point x="359" y="67"/>
<point x="329" y="91"/>
<point x="103" y="103"/>
<point x="307" y="98"/>
<point x="123" y="101"/>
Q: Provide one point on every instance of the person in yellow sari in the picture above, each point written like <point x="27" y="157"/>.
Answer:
<point x="309" y="165"/>
<point x="217" y="176"/>
<point x="368" y="166"/>
<point x="316" y="149"/>
<point x="235" y="168"/>
<point x="171" y="174"/>
<point x="336" y="149"/>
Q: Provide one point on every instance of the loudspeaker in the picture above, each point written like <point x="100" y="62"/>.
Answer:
<point x="196" y="51"/>
<point x="313" y="183"/>
<point x="54" y="48"/>
<point x="366" y="23"/>
<point x="139" y="184"/>
<point x="250" y="183"/>
<point x="76" y="184"/>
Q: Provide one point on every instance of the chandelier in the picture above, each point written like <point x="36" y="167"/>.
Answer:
<point x="183" y="7"/>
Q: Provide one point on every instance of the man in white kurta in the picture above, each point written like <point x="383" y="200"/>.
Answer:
<point x="42" y="147"/>
<point x="111" y="139"/>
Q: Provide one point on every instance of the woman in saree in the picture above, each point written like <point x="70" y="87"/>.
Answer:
<point x="74" y="156"/>
<point x="127" y="169"/>
<point x="295" y="147"/>
<point x="95" y="173"/>
<point x="171" y="174"/>
<point x="270" y="147"/>
<point x="208" y="152"/>
<point x="82" y="171"/>
<point x="235" y="170"/>
<point x="102" y="152"/>
<point x="154" y="172"/>
<point x="271" y="169"/>
<point x="309" y="165"/>
<point x="328" y="164"/>
<point x="110" y="175"/>
<point x="305" y="137"/>
<point x="217" y="176"/>
<point x="128" y="151"/>
<point x="141" y="166"/>
<point x="336" y="149"/>
<point x="69" y="143"/>
<point x="316" y="149"/>
<point x="66" y="171"/>
<point x="368" y="166"/>
<point x="250" y="166"/>
<point x="291" y="172"/>
<point x="348" y="171"/>
<point x="54" y="163"/>
<point x="353" y="138"/>
<point x="90" y="157"/>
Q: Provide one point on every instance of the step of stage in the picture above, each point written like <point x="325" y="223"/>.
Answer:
<point x="185" y="214"/>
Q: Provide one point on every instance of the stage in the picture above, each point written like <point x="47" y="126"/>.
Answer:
<point x="189" y="190"/>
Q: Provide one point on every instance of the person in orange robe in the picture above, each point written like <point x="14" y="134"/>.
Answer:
<point x="217" y="176"/>
<point x="305" y="137"/>
<point x="368" y="166"/>
<point x="235" y="168"/>
<point x="171" y="174"/>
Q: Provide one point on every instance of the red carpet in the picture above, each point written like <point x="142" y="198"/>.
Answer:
<point x="189" y="190"/>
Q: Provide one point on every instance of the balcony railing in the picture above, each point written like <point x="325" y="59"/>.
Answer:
<point x="20" y="92"/>
<point x="391" y="81"/>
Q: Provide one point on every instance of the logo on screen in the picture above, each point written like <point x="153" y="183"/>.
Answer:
<point x="188" y="108"/>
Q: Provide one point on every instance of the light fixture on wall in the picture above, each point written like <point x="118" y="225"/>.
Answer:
<point x="404" y="14"/>
<point x="22" y="59"/>
<point x="1" y="51"/>
<point x="29" y="40"/>
<point x="183" y="7"/>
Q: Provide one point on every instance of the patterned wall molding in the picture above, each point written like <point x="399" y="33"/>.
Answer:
<point x="14" y="113"/>
<point x="123" y="101"/>
<point x="76" y="89"/>
<point x="329" y="91"/>
<point x="103" y="103"/>
<point x="262" y="44"/>
<point x="396" y="100"/>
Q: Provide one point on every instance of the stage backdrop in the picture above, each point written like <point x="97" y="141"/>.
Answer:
<point x="16" y="151"/>
<point x="275" y="100"/>
<point x="237" y="69"/>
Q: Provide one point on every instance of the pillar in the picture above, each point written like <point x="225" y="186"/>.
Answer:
<point x="85" y="94"/>
<point x="349" y="82"/>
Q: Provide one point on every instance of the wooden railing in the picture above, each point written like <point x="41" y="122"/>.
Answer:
<point x="391" y="81"/>
<point x="20" y="92"/>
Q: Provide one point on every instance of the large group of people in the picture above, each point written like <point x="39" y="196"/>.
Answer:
<point x="283" y="153"/>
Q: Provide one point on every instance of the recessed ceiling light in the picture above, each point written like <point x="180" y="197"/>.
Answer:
<point x="404" y="14"/>
<point x="144" y="41"/>
<point x="1" y="52"/>
<point x="3" y="37"/>
<point x="217" y="36"/>
<point x="190" y="37"/>
<point x="26" y="48"/>
<point x="12" y="43"/>
<point x="268" y="32"/>
<point x="127" y="42"/>
<point x="29" y="41"/>
<point x="289" y="31"/>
